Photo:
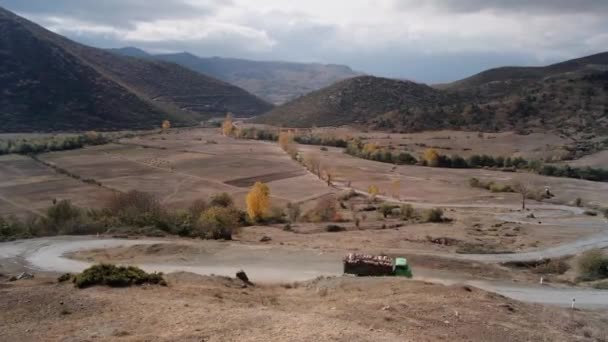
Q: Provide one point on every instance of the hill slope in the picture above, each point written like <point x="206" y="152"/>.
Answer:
<point x="569" y="97"/>
<point x="353" y="101"/>
<point x="51" y="83"/>
<point x="278" y="82"/>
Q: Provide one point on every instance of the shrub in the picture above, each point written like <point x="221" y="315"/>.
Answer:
<point x="496" y="187"/>
<point x="325" y="210"/>
<point x="578" y="202"/>
<point x="64" y="277"/>
<point x="13" y="229"/>
<point x="137" y="208"/>
<point x="116" y="276"/>
<point x="386" y="209"/>
<point x="332" y="228"/>
<point x="198" y="207"/>
<point x="552" y="267"/>
<point x="293" y="212"/>
<point x="63" y="217"/>
<point x="433" y="215"/>
<point x="218" y="223"/>
<point x="221" y="200"/>
<point x="407" y="212"/>
<point x="593" y="265"/>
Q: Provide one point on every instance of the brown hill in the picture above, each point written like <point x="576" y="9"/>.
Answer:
<point x="570" y="97"/>
<point x="51" y="83"/>
<point x="353" y="101"/>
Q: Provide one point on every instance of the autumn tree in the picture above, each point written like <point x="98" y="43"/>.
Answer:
<point x="228" y="125"/>
<point x="431" y="156"/>
<point x="166" y="125"/>
<point x="286" y="141"/>
<point x="258" y="201"/>
<point x="373" y="191"/>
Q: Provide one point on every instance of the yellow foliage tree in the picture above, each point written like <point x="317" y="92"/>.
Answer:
<point x="431" y="156"/>
<point x="285" y="139"/>
<point x="228" y="125"/>
<point x="166" y="125"/>
<point x="370" y="148"/>
<point x="373" y="190"/>
<point x="258" y="201"/>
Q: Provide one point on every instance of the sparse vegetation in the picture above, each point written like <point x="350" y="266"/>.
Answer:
<point x="116" y="276"/>
<point x="56" y="143"/>
<point x="593" y="265"/>
<point x="408" y="212"/>
<point x="434" y="215"/>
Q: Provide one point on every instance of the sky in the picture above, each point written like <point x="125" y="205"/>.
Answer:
<point x="428" y="41"/>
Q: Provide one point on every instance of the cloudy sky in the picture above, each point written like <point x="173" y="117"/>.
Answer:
<point x="423" y="40"/>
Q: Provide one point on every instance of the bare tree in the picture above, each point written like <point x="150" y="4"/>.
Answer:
<point x="524" y="190"/>
<point x="314" y="164"/>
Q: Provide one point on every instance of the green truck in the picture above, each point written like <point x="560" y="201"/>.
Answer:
<point x="365" y="265"/>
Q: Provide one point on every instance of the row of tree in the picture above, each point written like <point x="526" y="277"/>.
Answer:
<point x="57" y="143"/>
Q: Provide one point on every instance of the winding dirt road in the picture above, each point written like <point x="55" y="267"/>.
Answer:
<point x="270" y="264"/>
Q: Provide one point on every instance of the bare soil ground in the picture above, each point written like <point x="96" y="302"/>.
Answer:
<point x="194" y="308"/>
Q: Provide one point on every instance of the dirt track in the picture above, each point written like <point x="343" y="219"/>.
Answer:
<point x="266" y="264"/>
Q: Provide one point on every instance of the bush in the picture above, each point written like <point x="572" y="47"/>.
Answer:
<point x="408" y="212"/>
<point x="198" y="207"/>
<point x="593" y="265"/>
<point x="332" y="228"/>
<point x="116" y="276"/>
<point x="386" y="209"/>
<point x="137" y="208"/>
<point x="64" y="277"/>
<point x="433" y="215"/>
<point x="552" y="267"/>
<point x="221" y="200"/>
<point x="13" y="229"/>
<point x="325" y="211"/>
<point x="63" y="217"/>
<point x="218" y="223"/>
<point x="496" y="187"/>
<point x="293" y="212"/>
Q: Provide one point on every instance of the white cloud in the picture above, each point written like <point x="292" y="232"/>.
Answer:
<point x="389" y="37"/>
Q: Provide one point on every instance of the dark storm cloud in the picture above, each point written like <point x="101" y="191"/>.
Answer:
<point x="117" y="13"/>
<point x="599" y="7"/>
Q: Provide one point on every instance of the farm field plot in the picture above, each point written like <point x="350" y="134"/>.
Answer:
<point x="178" y="167"/>
<point x="440" y="185"/>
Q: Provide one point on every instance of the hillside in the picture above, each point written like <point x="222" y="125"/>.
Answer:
<point x="353" y="101"/>
<point x="277" y="82"/>
<point x="51" y="83"/>
<point x="569" y="97"/>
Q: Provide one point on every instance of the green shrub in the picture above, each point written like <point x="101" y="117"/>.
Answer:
<point x="433" y="215"/>
<point x="593" y="265"/>
<point x="218" y="223"/>
<point x="221" y="200"/>
<point x="137" y="208"/>
<point x="116" y="276"/>
<point x="198" y="207"/>
<point x="13" y="229"/>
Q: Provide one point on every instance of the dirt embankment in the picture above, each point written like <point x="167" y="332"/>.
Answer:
<point x="196" y="308"/>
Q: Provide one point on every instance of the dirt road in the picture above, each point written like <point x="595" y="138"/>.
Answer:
<point x="270" y="264"/>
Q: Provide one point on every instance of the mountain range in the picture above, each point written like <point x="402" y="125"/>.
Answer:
<point x="569" y="97"/>
<point x="277" y="82"/>
<point x="49" y="83"/>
